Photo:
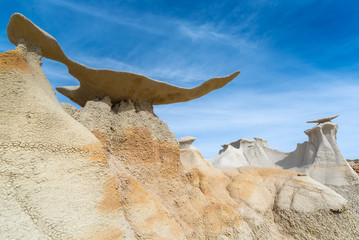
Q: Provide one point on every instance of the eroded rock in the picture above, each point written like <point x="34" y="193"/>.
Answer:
<point x="113" y="170"/>
<point x="323" y="120"/>
<point x="117" y="85"/>
<point x="319" y="157"/>
<point x="185" y="142"/>
<point x="276" y="203"/>
<point x="53" y="171"/>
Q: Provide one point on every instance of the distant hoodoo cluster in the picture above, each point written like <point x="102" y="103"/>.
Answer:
<point x="319" y="157"/>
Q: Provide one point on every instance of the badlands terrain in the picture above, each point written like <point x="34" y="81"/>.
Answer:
<point x="113" y="170"/>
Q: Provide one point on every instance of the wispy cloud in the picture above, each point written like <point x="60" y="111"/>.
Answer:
<point x="278" y="117"/>
<point x="106" y="15"/>
<point x="168" y="73"/>
<point x="162" y="25"/>
<point x="105" y="63"/>
<point x="177" y="61"/>
<point x="219" y="33"/>
<point x="200" y="32"/>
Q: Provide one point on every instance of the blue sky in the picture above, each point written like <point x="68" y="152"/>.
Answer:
<point x="298" y="60"/>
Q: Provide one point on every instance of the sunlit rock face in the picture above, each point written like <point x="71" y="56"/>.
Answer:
<point x="108" y="172"/>
<point x="245" y="152"/>
<point x="319" y="157"/>
<point x="55" y="179"/>
<point x="322" y="159"/>
<point x="275" y="203"/>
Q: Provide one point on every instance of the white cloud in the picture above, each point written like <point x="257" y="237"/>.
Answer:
<point x="165" y="73"/>
<point x="200" y="32"/>
<point x="105" y="63"/>
<point x="102" y="13"/>
<point x="166" y="26"/>
<point x="278" y="117"/>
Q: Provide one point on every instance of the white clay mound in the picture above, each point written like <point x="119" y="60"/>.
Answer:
<point x="319" y="157"/>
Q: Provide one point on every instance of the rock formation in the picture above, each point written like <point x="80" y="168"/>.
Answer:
<point x="319" y="157"/>
<point x="185" y="142"/>
<point x="100" y="83"/>
<point x="55" y="180"/>
<point x="275" y="203"/>
<point x="245" y="152"/>
<point x="323" y="120"/>
<point x="354" y="164"/>
<point x="113" y="170"/>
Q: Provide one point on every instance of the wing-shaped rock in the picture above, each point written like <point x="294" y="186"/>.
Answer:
<point x="99" y="82"/>
<point x="322" y="120"/>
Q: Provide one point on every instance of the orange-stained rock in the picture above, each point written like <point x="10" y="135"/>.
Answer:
<point x="54" y="176"/>
<point x="111" y="200"/>
<point x="147" y="164"/>
<point x="356" y="168"/>
<point x="13" y="60"/>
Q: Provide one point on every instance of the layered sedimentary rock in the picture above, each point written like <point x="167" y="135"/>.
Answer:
<point x="140" y="145"/>
<point x="113" y="170"/>
<point x="55" y="180"/>
<point x="319" y="157"/>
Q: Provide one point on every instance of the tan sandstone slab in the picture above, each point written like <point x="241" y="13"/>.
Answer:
<point x="101" y="82"/>
<point x="322" y="120"/>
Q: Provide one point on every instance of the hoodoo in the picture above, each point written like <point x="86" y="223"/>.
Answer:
<point x="99" y="82"/>
<point x="319" y="157"/>
<point x="323" y="120"/>
<point x="113" y="170"/>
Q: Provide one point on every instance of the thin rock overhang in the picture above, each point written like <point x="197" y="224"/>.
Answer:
<point x="101" y="82"/>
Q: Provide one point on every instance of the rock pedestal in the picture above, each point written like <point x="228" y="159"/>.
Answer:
<point x="324" y="161"/>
